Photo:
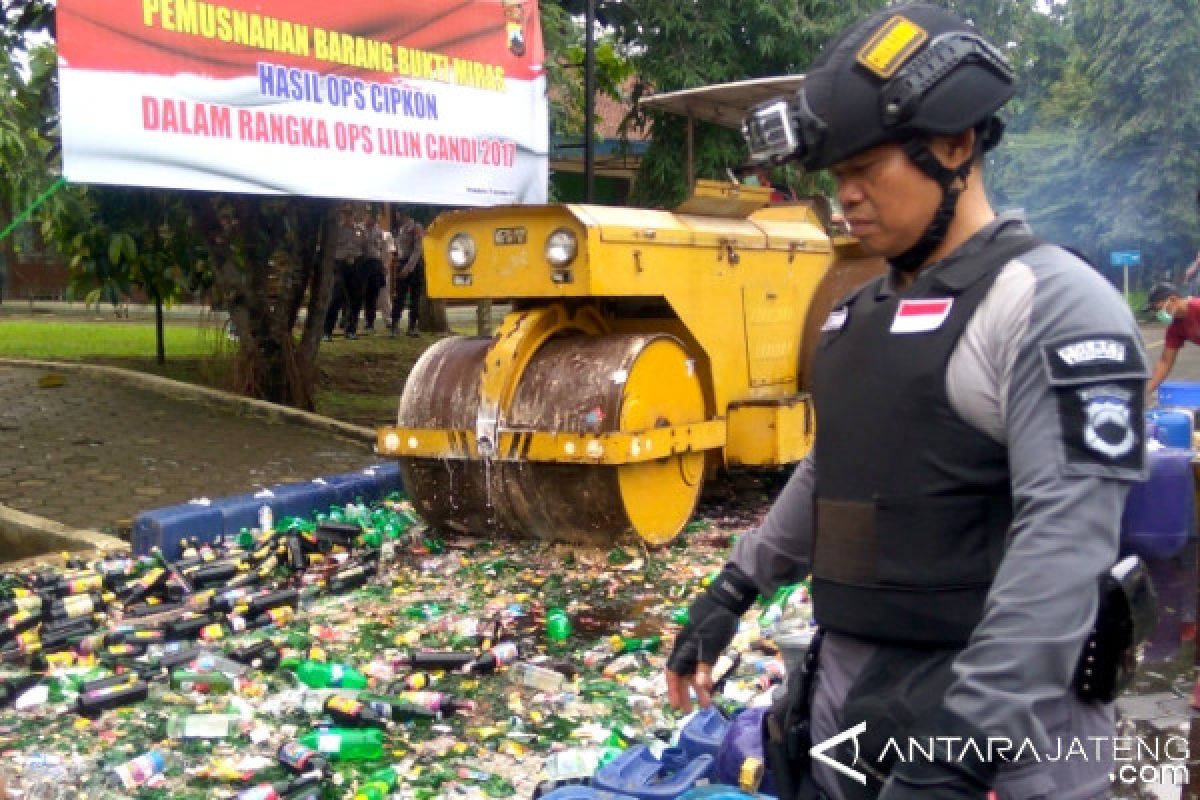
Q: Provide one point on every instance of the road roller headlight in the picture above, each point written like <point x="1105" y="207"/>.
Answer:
<point x="461" y="251"/>
<point x="561" y="247"/>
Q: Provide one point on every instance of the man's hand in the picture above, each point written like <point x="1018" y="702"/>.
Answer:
<point x="712" y="622"/>
<point x="710" y="629"/>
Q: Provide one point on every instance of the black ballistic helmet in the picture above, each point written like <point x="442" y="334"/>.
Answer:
<point x="902" y="73"/>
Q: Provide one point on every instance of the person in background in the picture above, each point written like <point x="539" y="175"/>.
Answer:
<point x="979" y="421"/>
<point x="384" y="301"/>
<point x="759" y="175"/>
<point x="409" y="282"/>
<point x="1181" y="315"/>
<point x="374" y="250"/>
<point x="348" y="255"/>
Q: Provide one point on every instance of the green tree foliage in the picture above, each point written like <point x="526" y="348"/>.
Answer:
<point x="1112" y="162"/>
<point x="28" y="121"/>
<point x="676" y="45"/>
<point x="563" y="33"/>
<point x="116" y="239"/>
<point x="1035" y="40"/>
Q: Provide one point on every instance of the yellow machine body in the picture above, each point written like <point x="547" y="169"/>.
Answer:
<point x="669" y="340"/>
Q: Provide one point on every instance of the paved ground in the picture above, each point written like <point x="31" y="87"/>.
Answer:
<point x="92" y="453"/>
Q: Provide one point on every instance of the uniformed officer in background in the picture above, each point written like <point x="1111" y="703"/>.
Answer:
<point x="979" y="413"/>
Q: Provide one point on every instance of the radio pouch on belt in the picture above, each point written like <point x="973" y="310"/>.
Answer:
<point x="787" y="735"/>
<point x="1127" y="615"/>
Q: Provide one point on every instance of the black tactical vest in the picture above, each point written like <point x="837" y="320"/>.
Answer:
<point x="912" y="503"/>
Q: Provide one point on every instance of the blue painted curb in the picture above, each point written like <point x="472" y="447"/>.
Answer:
<point x="208" y="520"/>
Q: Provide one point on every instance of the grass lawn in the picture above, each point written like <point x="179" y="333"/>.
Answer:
<point x="357" y="381"/>
<point x="72" y="340"/>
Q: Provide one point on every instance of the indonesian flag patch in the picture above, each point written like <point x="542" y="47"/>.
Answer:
<point x="921" y="316"/>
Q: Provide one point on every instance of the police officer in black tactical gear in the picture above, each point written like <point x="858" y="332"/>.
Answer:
<point x="979" y="414"/>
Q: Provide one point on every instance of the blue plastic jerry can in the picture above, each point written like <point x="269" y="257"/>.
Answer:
<point x="641" y="774"/>
<point x="1159" y="514"/>
<point x="703" y="733"/>
<point x="583" y="793"/>
<point x="719" y="792"/>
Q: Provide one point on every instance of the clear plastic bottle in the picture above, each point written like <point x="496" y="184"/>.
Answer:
<point x="537" y="677"/>
<point x="573" y="767"/>
<point x="134" y="773"/>
<point x="202" y="726"/>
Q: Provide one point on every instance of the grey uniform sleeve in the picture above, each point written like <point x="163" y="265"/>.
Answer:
<point x="1072" y="420"/>
<point x="779" y="550"/>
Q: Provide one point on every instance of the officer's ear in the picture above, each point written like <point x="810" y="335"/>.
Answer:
<point x="954" y="150"/>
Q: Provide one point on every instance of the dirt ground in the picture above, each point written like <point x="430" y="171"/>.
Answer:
<point x="358" y="381"/>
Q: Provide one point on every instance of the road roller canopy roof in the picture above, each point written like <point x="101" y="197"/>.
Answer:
<point x="725" y="104"/>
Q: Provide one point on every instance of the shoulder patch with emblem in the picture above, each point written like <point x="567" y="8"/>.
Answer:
<point x="1099" y="380"/>
<point x="1100" y="355"/>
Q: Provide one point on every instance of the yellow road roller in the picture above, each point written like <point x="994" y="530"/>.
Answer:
<point x="644" y="350"/>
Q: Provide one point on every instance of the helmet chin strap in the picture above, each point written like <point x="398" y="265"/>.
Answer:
<point x="919" y="153"/>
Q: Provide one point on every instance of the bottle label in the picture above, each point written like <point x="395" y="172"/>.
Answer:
<point x="136" y="772"/>
<point x="346" y="705"/>
<point x="150" y="578"/>
<point x="294" y="754"/>
<point x="88" y="584"/>
<point x="336" y="673"/>
<point x="505" y="653"/>
<point x="329" y="743"/>
<point x="280" y="616"/>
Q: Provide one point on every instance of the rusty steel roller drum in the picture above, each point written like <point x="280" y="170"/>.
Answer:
<point x="573" y="383"/>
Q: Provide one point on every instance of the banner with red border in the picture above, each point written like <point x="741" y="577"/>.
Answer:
<point x="420" y="101"/>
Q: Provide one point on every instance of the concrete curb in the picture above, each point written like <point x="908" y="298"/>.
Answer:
<point x="20" y="531"/>
<point x="23" y="535"/>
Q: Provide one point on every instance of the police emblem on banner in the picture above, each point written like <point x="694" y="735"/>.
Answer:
<point x="1108" y="427"/>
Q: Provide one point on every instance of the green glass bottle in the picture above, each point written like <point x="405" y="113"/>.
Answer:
<point x="346" y="744"/>
<point x="558" y="625"/>
<point x="320" y="675"/>
<point x="379" y="785"/>
<point x="635" y="644"/>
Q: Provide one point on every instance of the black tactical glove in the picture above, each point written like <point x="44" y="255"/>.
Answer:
<point x="712" y="621"/>
<point x="963" y="777"/>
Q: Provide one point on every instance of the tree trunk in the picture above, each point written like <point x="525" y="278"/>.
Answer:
<point x="432" y="316"/>
<point x="160" y="347"/>
<point x="483" y="318"/>
<point x="8" y="249"/>
<point x="264" y="259"/>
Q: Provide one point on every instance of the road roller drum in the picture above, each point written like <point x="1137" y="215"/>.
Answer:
<point x="580" y="384"/>
<point x="645" y="349"/>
